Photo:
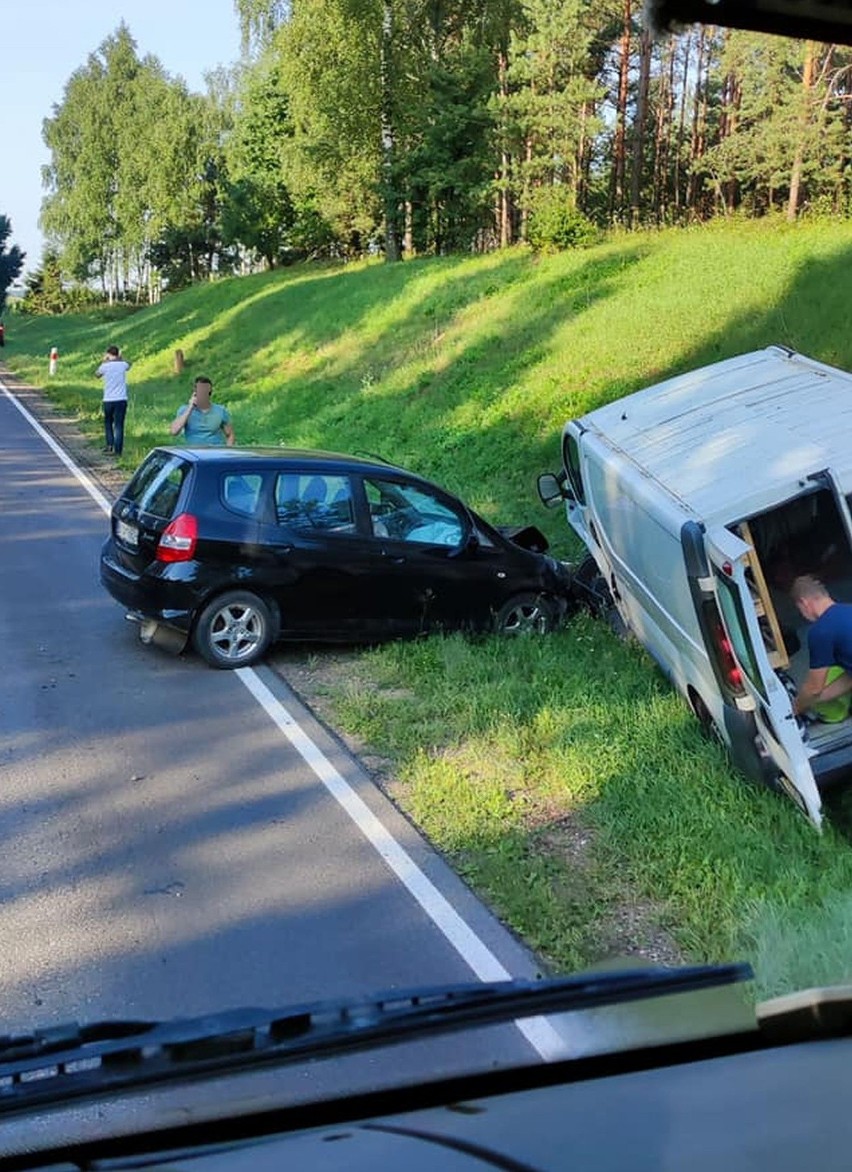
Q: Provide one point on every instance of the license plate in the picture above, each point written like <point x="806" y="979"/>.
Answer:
<point x="129" y="534"/>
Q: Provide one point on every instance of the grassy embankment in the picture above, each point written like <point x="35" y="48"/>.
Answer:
<point x="563" y="777"/>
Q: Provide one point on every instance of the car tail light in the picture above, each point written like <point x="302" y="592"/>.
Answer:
<point x="178" y="540"/>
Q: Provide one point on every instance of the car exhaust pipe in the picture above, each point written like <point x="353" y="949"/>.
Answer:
<point x="150" y="631"/>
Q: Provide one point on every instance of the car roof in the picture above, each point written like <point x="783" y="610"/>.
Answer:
<point x="303" y="457"/>
<point x="738" y="436"/>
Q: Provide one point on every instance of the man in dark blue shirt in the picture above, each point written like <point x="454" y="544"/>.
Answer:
<point x="829" y="644"/>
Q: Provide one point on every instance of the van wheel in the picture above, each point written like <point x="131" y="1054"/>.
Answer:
<point x="234" y="630"/>
<point x="709" y="727"/>
<point x="525" y="614"/>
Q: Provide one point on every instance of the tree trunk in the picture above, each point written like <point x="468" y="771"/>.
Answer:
<point x="844" y="164"/>
<point x="616" y="201"/>
<point x="699" y="121"/>
<point x="582" y="166"/>
<point x="681" y="123"/>
<point x="731" y="98"/>
<point x="525" y="211"/>
<point x="804" y="119"/>
<point x="646" y="45"/>
<point x="663" y="132"/>
<point x="393" y="251"/>
<point x="504" y="210"/>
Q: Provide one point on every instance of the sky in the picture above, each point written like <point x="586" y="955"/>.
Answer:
<point x="44" y="41"/>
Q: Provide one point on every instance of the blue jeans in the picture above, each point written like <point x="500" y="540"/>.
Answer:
<point x="114" y="413"/>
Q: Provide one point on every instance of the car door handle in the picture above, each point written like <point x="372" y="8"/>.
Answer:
<point x="395" y="559"/>
<point x="283" y="548"/>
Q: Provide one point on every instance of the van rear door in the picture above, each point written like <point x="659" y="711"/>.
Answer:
<point x="728" y="559"/>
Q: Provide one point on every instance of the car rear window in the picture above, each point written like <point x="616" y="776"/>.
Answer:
<point x="156" y="486"/>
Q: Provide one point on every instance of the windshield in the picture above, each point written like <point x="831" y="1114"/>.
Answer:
<point x="284" y="725"/>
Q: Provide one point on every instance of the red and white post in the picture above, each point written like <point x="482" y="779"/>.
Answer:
<point x="54" y="358"/>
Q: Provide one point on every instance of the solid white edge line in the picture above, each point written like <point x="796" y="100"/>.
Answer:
<point x="86" y="481"/>
<point x="538" y="1031"/>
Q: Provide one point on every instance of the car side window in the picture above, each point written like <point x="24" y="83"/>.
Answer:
<point x="408" y="512"/>
<point x="241" y="492"/>
<point x="308" y="502"/>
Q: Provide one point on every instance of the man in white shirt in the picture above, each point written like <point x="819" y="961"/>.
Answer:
<point x="113" y="370"/>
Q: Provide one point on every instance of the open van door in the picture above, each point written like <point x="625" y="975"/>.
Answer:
<point x="728" y="558"/>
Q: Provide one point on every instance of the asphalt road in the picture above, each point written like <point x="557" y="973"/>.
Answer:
<point x="176" y="840"/>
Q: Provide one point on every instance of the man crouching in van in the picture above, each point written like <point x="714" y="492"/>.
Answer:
<point x="829" y="649"/>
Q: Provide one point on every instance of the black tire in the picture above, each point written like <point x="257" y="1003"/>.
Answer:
<point x="590" y="588"/>
<point x="234" y="630"/>
<point x="591" y="591"/>
<point x="709" y="727"/>
<point x="525" y="614"/>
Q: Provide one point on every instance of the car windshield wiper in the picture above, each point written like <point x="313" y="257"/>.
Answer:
<point x="61" y="1062"/>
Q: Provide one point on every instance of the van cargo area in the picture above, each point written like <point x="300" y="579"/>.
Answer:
<point x="803" y="536"/>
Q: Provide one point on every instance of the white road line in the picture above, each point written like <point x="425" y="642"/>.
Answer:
<point x="86" y="481"/>
<point x="538" y="1031"/>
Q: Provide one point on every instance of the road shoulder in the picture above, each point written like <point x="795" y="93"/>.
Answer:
<point x="64" y="430"/>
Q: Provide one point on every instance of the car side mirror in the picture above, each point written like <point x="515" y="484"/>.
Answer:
<point x="553" y="489"/>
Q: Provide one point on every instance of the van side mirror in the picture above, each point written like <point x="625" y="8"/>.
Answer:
<point x="553" y="489"/>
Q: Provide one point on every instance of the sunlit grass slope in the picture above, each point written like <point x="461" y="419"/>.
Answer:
<point x="564" y="778"/>
<point x="462" y="368"/>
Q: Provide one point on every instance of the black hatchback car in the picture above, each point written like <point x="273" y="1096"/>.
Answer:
<point x="237" y="547"/>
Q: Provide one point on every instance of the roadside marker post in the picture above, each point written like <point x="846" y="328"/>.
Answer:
<point x="54" y="357"/>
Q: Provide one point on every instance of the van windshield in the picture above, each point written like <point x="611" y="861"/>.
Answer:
<point x="571" y="458"/>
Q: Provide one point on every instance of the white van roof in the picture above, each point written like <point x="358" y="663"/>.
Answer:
<point x="731" y="439"/>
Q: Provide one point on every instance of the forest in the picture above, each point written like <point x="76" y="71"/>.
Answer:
<point x="402" y="128"/>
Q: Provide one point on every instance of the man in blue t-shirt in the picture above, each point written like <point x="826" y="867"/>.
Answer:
<point x="829" y="643"/>
<point x="202" y="421"/>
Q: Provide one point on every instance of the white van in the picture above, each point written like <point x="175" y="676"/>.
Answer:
<point x="699" y="500"/>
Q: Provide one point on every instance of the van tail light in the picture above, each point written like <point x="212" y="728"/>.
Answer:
<point x="730" y="668"/>
<point x="178" y="540"/>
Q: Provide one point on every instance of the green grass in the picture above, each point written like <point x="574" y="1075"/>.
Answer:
<point x="563" y="777"/>
<point x="500" y="746"/>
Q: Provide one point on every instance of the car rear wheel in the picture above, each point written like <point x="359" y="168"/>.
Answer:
<point x="525" y="614"/>
<point x="234" y="630"/>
